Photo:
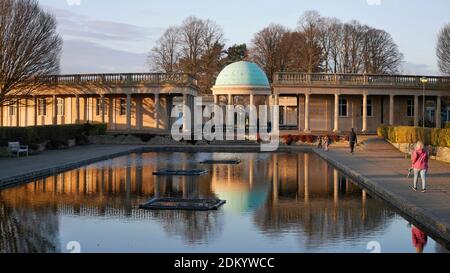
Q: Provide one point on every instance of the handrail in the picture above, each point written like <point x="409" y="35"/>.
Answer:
<point x="400" y="81"/>
<point x="119" y="78"/>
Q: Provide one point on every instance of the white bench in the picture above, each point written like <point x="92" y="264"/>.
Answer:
<point x="15" y="148"/>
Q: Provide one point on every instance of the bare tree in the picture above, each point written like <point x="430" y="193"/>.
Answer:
<point x="310" y="26"/>
<point x="29" y="47"/>
<point x="380" y="53"/>
<point x="192" y="34"/>
<point x="194" y="48"/>
<point x="266" y="48"/>
<point x="164" y="57"/>
<point x="443" y="50"/>
<point x="210" y="60"/>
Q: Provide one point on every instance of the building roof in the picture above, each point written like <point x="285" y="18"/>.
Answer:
<point x="242" y="74"/>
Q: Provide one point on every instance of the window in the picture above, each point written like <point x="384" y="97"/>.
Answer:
<point x="369" y="107"/>
<point x="343" y="108"/>
<point x="60" y="107"/>
<point x="448" y="113"/>
<point x="123" y="107"/>
<point x="410" y="109"/>
<point x="42" y="107"/>
<point x="12" y="110"/>
<point x="430" y="114"/>
<point x="98" y="107"/>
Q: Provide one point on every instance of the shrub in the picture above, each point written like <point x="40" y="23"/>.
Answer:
<point x="408" y="134"/>
<point x="56" y="135"/>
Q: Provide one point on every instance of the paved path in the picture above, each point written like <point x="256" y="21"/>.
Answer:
<point x="382" y="169"/>
<point x="14" y="170"/>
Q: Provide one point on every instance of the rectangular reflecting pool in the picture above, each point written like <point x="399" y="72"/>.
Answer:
<point x="275" y="203"/>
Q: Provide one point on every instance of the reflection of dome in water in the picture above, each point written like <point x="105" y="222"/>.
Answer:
<point x="244" y="199"/>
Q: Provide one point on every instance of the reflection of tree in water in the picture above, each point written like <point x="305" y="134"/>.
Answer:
<point x="322" y="221"/>
<point x="25" y="230"/>
<point x="313" y="200"/>
<point x="195" y="227"/>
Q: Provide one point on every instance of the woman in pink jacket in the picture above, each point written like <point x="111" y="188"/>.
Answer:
<point x="420" y="166"/>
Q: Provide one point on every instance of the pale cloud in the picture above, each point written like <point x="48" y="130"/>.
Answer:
<point x="374" y="2"/>
<point x="73" y="2"/>
<point x="116" y="35"/>
<point x="80" y="56"/>
<point x="418" y="69"/>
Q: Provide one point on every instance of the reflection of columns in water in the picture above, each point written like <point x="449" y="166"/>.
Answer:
<point x="185" y="187"/>
<point x="110" y="178"/>
<point x="250" y="175"/>
<point x="85" y="179"/>
<point x="183" y="178"/>
<point x="363" y="204"/>
<point x="336" y="185"/>
<point x="229" y="174"/>
<point x="336" y="193"/>
<point x="77" y="181"/>
<point x="299" y="167"/>
<point x="128" y="186"/>
<point x="275" y="179"/>
<point x="155" y="186"/>
<point x="102" y="181"/>
<point x="306" y="155"/>
<point x="138" y="173"/>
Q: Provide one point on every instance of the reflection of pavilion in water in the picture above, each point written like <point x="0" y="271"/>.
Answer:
<point x="319" y="202"/>
<point x="284" y="191"/>
<point x="113" y="189"/>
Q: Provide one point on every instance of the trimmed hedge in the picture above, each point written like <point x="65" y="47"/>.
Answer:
<point x="407" y="134"/>
<point x="56" y="134"/>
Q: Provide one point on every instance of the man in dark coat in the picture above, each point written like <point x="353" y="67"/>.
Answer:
<point x="353" y="138"/>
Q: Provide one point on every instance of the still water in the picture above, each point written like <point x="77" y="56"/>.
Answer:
<point x="275" y="203"/>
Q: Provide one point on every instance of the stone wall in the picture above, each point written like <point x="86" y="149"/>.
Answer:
<point x="438" y="153"/>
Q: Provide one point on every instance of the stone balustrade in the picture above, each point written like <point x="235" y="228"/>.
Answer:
<point x="360" y="80"/>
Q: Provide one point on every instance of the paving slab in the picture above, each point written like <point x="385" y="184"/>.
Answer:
<point x="382" y="170"/>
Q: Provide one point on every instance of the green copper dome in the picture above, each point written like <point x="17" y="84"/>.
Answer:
<point x="242" y="74"/>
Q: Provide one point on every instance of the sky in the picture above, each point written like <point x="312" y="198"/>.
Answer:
<point x="111" y="36"/>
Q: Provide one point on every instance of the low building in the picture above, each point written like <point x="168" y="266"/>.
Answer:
<point x="309" y="103"/>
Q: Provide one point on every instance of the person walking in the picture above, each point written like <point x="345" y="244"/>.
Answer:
<point x="326" y="143"/>
<point x="420" y="166"/>
<point x="353" y="138"/>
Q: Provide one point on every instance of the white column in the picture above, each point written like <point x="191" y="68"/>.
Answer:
<point x="111" y="112"/>
<point x="216" y="99"/>
<point x="336" y="113"/>
<point x="364" y="114"/>
<point x="77" y="109"/>
<point x="128" y="112"/>
<point x="391" y="110"/>
<point x="185" y="117"/>
<point x="18" y="113"/>
<point x="416" y="111"/>
<point x="103" y="107"/>
<point x="86" y="110"/>
<point x="276" y="121"/>
<point x="55" y="113"/>
<point x="298" y="113"/>
<point x="438" y="112"/>
<point x="156" y="111"/>
<point x="307" y="121"/>
<point x="35" y="111"/>
<point x="139" y="112"/>
<point x="1" y="115"/>
<point x="230" y="99"/>
<point x="252" y="99"/>
<point x="26" y="112"/>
